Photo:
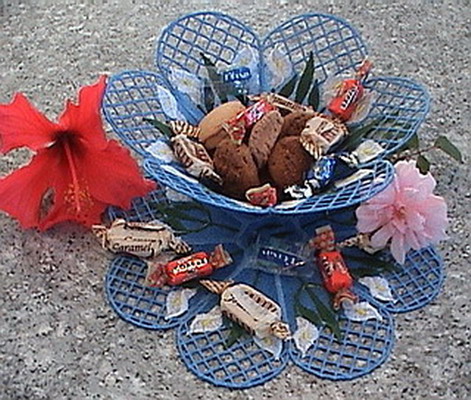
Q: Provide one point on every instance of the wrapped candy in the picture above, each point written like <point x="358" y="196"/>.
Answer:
<point x="141" y="239"/>
<point x="251" y="309"/>
<point x="350" y="92"/>
<point x="187" y="268"/>
<point x="330" y="169"/>
<point x="237" y="127"/>
<point x="264" y="196"/>
<point x="194" y="157"/>
<point x="335" y="274"/>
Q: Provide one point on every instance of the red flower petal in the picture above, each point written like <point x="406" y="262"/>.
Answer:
<point x="114" y="176"/>
<point x="84" y="119"/>
<point x="22" y="191"/>
<point x="21" y="125"/>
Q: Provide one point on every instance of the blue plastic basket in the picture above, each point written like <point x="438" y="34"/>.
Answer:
<point x="364" y="346"/>
<point x="336" y="47"/>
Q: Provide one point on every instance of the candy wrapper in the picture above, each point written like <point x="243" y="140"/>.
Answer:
<point x="335" y="274"/>
<point x="336" y="169"/>
<point x="264" y="196"/>
<point x="251" y="309"/>
<point x="187" y="268"/>
<point x="141" y="239"/>
<point x="349" y="94"/>
<point x="194" y="158"/>
<point x="238" y="126"/>
<point x="280" y="257"/>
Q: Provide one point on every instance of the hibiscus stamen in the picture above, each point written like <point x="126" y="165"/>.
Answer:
<point x="73" y="171"/>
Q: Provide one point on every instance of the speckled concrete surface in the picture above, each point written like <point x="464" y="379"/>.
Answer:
<point x="58" y="337"/>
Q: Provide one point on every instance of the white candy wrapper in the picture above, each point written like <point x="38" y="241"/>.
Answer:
<point x="359" y="312"/>
<point x="161" y="150"/>
<point x="379" y="287"/>
<point x="187" y="83"/>
<point x="207" y="322"/>
<point x="177" y="302"/>
<point x="305" y="336"/>
<point x="280" y="67"/>
<point x="271" y="344"/>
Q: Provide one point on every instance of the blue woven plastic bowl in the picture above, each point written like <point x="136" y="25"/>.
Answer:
<point x="337" y="48"/>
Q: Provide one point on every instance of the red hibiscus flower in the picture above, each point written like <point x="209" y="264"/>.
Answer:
<point x="76" y="172"/>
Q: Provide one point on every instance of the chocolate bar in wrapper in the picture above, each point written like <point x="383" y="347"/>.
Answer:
<point x="335" y="274"/>
<point x="187" y="268"/>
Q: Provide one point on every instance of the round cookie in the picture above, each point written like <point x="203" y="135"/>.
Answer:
<point x="235" y="165"/>
<point x="295" y="122"/>
<point x="264" y="136"/>
<point x="212" y="132"/>
<point x="288" y="162"/>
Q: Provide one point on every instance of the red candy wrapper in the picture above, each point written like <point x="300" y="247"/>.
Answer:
<point x="335" y="275"/>
<point x="237" y="127"/>
<point x="264" y="196"/>
<point x="350" y="93"/>
<point x="187" y="268"/>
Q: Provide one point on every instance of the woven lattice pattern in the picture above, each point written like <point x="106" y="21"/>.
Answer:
<point x="335" y="45"/>
<point x="242" y="365"/>
<point x="399" y="108"/>
<point x="361" y="190"/>
<point x="414" y="285"/>
<point x="363" y="347"/>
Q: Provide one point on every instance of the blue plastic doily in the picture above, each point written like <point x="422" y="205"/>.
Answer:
<point x="364" y="346"/>
<point x="336" y="46"/>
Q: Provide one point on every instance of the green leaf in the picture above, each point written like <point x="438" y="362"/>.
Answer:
<point x="288" y="88"/>
<point x="373" y="264"/>
<point x="413" y="142"/>
<point x="215" y="78"/>
<point x="357" y="134"/>
<point x="305" y="81"/>
<point x="307" y="313"/>
<point x="326" y="314"/>
<point x="444" y="144"/>
<point x="423" y="164"/>
<point x="209" y="100"/>
<point x="235" y="333"/>
<point x="163" y="128"/>
<point x="313" y="98"/>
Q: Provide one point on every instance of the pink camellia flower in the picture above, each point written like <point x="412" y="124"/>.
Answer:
<point x="407" y="213"/>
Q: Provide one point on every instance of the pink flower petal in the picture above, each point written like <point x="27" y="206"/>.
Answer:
<point x="382" y="236"/>
<point x="398" y="249"/>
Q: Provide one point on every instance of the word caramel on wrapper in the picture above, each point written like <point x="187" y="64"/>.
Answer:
<point x="187" y="268"/>
<point x="237" y="127"/>
<point x="141" y="239"/>
<point x="251" y="309"/>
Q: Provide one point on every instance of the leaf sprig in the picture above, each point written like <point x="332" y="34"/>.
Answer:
<point x="304" y="85"/>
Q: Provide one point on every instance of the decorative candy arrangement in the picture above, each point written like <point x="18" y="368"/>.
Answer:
<point x="289" y="234"/>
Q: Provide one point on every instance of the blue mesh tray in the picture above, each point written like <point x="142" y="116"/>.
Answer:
<point x="337" y="48"/>
<point x="364" y="346"/>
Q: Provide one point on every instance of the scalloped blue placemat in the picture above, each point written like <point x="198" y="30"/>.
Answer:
<point x="364" y="346"/>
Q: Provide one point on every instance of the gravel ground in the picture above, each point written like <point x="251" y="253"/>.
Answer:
<point x="58" y="337"/>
